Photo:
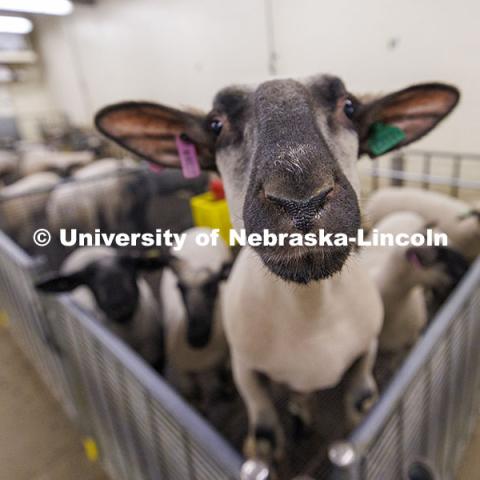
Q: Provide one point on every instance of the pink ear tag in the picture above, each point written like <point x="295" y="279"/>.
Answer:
<point x="155" y="168"/>
<point x="188" y="158"/>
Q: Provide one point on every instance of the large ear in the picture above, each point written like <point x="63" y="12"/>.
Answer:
<point x="150" y="130"/>
<point x="402" y="117"/>
<point x="61" y="283"/>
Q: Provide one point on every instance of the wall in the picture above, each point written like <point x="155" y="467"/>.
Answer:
<point x="175" y="51"/>
<point x="182" y="51"/>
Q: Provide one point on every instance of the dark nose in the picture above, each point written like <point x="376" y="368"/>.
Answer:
<point x="301" y="211"/>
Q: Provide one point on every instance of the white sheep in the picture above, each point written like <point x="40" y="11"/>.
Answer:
<point x="287" y="151"/>
<point x="93" y="199"/>
<point x="401" y="274"/>
<point x="107" y="283"/>
<point x="23" y="203"/>
<point x="190" y="291"/>
<point x="447" y="213"/>
<point x="8" y="164"/>
<point x="62" y="163"/>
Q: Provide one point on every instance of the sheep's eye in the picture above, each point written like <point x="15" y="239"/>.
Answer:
<point x="349" y="108"/>
<point x="216" y="126"/>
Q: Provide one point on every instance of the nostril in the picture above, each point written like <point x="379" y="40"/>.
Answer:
<point x="316" y="201"/>
<point x="301" y="211"/>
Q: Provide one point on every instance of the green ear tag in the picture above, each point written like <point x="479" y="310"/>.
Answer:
<point x="384" y="137"/>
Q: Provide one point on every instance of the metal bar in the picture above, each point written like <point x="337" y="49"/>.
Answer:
<point x="455" y="176"/>
<point x="427" y="159"/>
<point x="197" y="427"/>
<point x="361" y="438"/>
<point x="417" y="177"/>
<point x="398" y="165"/>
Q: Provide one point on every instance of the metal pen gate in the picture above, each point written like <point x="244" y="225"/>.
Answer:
<point x="145" y="431"/>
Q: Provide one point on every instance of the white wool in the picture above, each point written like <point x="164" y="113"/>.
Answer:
<point x="400" y="283"/>
<point x="303" y="336"/>
<point x="95" y="191"/>
<point x="433" y="207"/>
<point x="41" y="159"/>
<point x="24" y="201"/>
<point x="142" y="332"/>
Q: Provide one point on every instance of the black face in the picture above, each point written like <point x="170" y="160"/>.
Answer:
<point x="295" y="181"/>
<point x="286" y="150"/>
<point x="114" y="286"/>
<point x="199" y="301"/>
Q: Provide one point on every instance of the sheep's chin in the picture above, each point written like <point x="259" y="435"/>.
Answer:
<point x="318" y="264"/>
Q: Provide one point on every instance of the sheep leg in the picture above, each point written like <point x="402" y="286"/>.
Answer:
<point x="265" y="439"/>
<point x="361" y="392"/>
<point x="300" y="409"/>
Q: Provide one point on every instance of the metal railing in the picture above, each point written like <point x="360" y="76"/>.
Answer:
<point x="144" y="430"/>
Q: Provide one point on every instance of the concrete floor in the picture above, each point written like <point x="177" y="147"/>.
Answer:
<point x="37" y="441"/>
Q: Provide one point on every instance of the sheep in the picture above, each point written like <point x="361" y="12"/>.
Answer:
<point x="401" y="275"/>
<point x="95" y="198"/>
<point x="107" y="283"/>
<point x="287" y="152"/>
<point x="190" y="292"/>
<point x="448" y="214"/>
<point x="8" y="165"/>
<point x="62" y="163"/>
<point x="23" y="203"/>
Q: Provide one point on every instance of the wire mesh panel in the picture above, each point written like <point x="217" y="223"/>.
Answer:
<point x="143" y="429"/>
<point x="146" y="431"/>
<point x="454" y="174"/>
<point x="28" y="322"/>
<point x="428" y="411"/>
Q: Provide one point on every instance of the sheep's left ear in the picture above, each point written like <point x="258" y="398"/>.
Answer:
<point x="403" y="117"/>
<point x="151" y="131"/>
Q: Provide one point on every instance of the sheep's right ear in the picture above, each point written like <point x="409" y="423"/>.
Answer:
<point x="398" y="119"/>
<point x="61" y="283"/>
<point x="151" y="131"/>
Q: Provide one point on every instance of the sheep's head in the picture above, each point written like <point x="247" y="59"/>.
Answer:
<point x="437" y="267"/>
<point x="112" y="281"/>
<point x="287" y="152"/>
<point x="199" y="290"/>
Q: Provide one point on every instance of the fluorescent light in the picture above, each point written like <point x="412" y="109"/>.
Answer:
<point x="15" y="25"/>
<point x="47" y="7"/>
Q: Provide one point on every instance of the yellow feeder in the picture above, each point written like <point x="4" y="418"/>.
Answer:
<point x="208" y="211"/>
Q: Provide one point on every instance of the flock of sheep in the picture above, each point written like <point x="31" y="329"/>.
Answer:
<point x="300" y="318"/>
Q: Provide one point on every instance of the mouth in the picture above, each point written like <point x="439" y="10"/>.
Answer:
<point x="199" y="337"/>
<point x="198" y="340"/>
<point x="339" y="213"/>
<point x="316" y="263"/>
<point x="121" y="315"/>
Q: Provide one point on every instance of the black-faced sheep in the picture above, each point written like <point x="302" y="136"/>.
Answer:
<point x="450" y="215"/>
<point x="403" y="273"/>
<point x="191" y="291"/>
<point x="44" y="160"/>
<point x="23" y="203"/>
<point x="108" y="284"/>
<point x="95" y="198"/>
<point x="287" y="152"/>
